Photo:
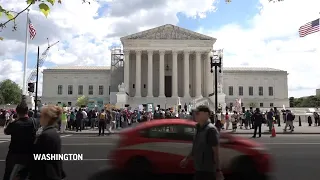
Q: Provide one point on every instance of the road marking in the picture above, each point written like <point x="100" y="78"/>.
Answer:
<point x="1" y="141"/>
<point x="2" y="160"/>
<point x="310" y="143"/>
<point x="89" y="144"/>
<point x="68" y="135"/>
<point x="88" y="137"/>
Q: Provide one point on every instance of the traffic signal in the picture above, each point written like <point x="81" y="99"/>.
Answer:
<point x="31" y="87"/>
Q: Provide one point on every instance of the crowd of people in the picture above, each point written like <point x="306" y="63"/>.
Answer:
<point x="35" y="134"/>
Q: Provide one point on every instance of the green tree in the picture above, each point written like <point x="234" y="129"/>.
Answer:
<point x="309" y="101"/>
<point x="82" y="101"/>
<point x="10" y="92"/>
<point x="252" y="104"/>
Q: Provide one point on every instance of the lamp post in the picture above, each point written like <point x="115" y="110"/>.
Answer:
<point x="215" y="61"/>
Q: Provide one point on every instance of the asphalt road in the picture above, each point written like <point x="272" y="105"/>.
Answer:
<point x="296" y="157"/>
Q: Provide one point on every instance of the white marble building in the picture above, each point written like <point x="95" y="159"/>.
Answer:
<point x="65" y="84"/>
<point x="167" y="62"/>
<point x="237" y="78"/>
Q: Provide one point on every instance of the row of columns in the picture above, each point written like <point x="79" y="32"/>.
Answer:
<point x="162" y="73"/>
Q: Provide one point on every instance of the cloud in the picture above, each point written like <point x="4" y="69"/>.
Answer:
<point x="272" y="41"/>
<point x="86" y="32"/>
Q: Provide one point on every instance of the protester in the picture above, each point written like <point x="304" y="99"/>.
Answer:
<point x="102" y="122"/>
<point x="48" y="142"/>
<point x="257" y="119"/>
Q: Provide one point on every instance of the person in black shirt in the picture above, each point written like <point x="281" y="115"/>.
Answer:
<point x="257" y="118"/>
<point x="22" y="131"/>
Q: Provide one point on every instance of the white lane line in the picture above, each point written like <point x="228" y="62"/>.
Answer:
<point x="68" y="135"/>
<point x="4" y="141"/>
<point x="88" y="144"/>
<point x="2" y="160"/>
<point x="316" y="143"/>
<point x="91" y="137"/>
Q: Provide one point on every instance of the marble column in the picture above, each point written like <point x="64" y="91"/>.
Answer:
<point x="161" y="74"/>
<point x="186" y="74"/>
<point x="127" y="70"/>
<point x="150" y="74"/>
<point x="174" y="74"/>
<point x="198" y="75"/>
<point x="138" y="73"/>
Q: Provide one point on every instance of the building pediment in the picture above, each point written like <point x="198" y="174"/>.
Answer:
<point x="168" y="32"/>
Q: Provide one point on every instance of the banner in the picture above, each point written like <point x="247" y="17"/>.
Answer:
<point x="150" y="107"/>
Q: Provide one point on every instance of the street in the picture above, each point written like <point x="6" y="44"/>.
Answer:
<point x="296" y="157"/>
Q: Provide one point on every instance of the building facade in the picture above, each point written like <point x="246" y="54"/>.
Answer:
<point x="166" y="64"/>
<point x="64" y="85"/>
<point x="258" y="87"/>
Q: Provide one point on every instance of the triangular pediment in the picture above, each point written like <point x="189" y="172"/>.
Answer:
<point x="168" y="31"/>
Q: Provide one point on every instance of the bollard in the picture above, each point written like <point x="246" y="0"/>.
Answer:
<point x="300" y="121"/>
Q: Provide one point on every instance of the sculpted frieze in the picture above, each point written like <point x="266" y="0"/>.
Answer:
<point x="169" y="32"/>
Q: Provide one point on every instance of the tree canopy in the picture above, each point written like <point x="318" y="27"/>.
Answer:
<point x="10" y="92"/>
<point x="309" y="101"/>
<point x="82" y="101"/>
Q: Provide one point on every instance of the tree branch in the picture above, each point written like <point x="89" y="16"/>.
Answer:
<point x="2" y="25"/>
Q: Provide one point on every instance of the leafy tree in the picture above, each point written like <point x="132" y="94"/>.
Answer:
<point x="44" y="7"/>
<point x="309" y="101"/>
<point x="10" y="92"/>
<point x="82" y="101"/>
<point x="252" y="104"/>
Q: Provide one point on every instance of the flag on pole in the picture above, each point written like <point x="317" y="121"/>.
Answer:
<point x="32" y="30"/>
<point x="309" y="28"/>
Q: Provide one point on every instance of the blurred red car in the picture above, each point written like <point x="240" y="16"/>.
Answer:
<point x="158" y="146"/>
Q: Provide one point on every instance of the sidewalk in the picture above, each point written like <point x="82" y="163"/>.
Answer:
<point x="304" y="129"/>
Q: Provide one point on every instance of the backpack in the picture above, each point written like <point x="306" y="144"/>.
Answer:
<point x="102" y="116"/>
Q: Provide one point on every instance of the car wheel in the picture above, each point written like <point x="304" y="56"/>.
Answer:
<point x="243" y="168"/>
<point x="138" y="166"/>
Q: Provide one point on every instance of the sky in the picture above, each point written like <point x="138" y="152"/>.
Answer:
<point x="253" y="33"/>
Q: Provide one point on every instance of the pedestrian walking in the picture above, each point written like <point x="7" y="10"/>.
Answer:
<point x="48" y="141"/>
<point x="289" y="121"/>
<point x="22" y="131"/>
<point x="205" y="148"/>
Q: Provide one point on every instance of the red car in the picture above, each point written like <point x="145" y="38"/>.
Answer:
<point x="158" y="146"/>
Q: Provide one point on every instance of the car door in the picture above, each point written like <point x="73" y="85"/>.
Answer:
<point x="168" y="145"/>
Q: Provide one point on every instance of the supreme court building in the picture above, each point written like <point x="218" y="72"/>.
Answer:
<point x="164" y="63"/>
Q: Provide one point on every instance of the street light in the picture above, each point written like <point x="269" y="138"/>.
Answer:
<point x="215" y="61"/>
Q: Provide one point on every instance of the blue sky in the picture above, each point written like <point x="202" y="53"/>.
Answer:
<point x="237" y="12"/>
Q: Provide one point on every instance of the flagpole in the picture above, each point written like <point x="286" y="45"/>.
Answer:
<point x="26" y="56"/>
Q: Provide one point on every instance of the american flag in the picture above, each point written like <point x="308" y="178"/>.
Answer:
<point x="32" y="30"/>
<point x="309" y="28"/>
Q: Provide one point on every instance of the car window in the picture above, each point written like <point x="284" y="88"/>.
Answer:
<point x="170" y="132"/>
